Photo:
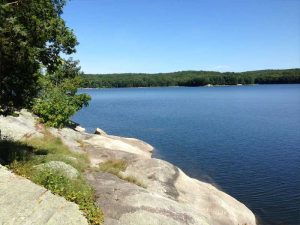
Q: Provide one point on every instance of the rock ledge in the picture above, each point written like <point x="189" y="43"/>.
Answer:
<point x="23" y="202"/>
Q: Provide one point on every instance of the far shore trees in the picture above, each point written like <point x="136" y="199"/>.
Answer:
<point x="191" y="78"/>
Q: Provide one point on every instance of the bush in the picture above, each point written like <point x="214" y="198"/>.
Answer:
<point x="58" y="100"/>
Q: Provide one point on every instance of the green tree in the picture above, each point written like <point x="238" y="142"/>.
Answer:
<point x="58" y="100"/>
<point x="32" y="36"/>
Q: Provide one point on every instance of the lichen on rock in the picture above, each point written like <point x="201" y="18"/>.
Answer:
<point x="60" y="167"/>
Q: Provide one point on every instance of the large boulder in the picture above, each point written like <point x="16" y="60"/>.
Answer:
<point x="125" y="203"/>
<point x="170" y="196"/>
<point x="23" y="202"/>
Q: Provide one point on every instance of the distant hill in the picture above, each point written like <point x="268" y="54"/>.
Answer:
<point x="191" y="78"/>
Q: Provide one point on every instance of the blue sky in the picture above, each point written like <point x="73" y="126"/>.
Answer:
<point x="172" y="35"/>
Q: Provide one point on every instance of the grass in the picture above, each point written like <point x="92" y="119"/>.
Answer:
<point x="51" y="148"/>
<point x="113" y="166"/>
<point x="133" y="180"/>
<point x="22" y="157"/>
<point x="116" y="167"/>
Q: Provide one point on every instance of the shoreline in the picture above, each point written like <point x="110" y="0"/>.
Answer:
<point x="146" y="187"/>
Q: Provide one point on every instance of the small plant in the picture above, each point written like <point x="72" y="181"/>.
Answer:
<point x="22" y="168"/>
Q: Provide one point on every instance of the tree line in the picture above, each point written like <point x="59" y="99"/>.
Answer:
<point x="191" y="78"/>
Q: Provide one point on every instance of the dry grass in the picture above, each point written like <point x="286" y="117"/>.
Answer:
<point x="113" y="166"/>
<point x="133" y="180"/>
<point x="116" y="167"/>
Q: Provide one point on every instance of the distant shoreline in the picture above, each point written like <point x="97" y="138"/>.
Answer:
<point x="184" y="86"/>
<point x="175" y="86"/>
<point x="191" y="79"/>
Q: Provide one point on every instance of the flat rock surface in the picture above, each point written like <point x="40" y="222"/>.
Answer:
<point x="25" y="203"/>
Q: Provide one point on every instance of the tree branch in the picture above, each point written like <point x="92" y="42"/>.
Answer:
<point x="15" y="2"/>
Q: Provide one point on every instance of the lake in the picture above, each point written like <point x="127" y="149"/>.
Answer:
<point x="243" y="139"/>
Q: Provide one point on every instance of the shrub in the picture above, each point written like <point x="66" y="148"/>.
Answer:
<point x="58" y="100"/>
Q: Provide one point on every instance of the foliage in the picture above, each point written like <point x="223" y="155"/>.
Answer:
<point x="51" y="148"/>
<point x="191" y="78"/>
<point x="58" y="101"/>
<point x="74" y="190"/>
<point x="116" y="167"/>
<point x="77" y="191"/>
<point x="22" y="157"/>
<point x="32" y="36"/>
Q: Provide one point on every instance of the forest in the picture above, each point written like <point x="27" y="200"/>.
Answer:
<point x="191" y="78"/>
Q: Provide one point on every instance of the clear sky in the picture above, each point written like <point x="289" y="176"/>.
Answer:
<point x="171" y="35"/>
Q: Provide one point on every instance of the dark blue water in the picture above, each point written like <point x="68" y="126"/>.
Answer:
<point x="245" y="139"/>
